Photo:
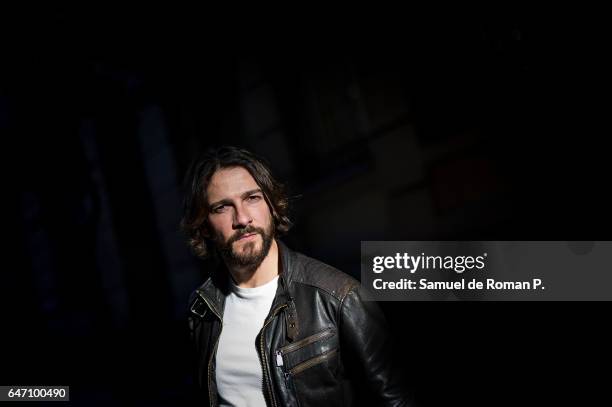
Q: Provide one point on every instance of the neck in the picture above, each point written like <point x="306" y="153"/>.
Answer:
<point x="267" y="270"/>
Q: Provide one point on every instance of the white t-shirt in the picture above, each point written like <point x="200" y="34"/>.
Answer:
<point x="239" y="372"/>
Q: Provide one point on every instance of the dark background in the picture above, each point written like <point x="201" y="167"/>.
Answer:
<point x="386" y="125"/>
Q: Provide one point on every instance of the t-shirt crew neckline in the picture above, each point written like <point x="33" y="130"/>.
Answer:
<point x="252" y="292"/>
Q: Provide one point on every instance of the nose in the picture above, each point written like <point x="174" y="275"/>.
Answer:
<point x="242" y="217"/>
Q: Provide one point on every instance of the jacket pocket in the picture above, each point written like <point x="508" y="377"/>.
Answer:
<point x="319" y="336"/>
<point x="308" y="352"/>
<point x="311" y="367"/>
<point x="313" y="361"/>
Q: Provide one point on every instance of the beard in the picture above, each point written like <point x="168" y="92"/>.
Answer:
<point x="249" y="257"/>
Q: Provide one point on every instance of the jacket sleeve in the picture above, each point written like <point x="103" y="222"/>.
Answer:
<point x="197" y="394"/>
<point x="368" y="346"/>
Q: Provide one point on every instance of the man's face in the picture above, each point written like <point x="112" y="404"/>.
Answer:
<point x="239" y="218"/>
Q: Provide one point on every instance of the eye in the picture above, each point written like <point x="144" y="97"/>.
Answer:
<point x="254" y="198"/>
<point x="219" y="209"/>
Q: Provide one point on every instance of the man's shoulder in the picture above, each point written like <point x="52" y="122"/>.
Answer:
<point x="202" y="287"/>
<point x="315" y="273"/>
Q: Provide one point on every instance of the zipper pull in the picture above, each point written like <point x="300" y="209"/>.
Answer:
<point x="279" y="358"/>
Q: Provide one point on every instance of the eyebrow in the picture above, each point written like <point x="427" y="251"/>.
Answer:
<point x="229" y="201"/>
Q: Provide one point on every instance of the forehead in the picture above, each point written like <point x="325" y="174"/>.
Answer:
<point x="227" y="183"/>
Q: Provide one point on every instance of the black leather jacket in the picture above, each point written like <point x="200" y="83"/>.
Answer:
<point x="322" y="344"/>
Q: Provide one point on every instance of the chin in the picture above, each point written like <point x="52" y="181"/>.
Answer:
<point x="254" y="245"/>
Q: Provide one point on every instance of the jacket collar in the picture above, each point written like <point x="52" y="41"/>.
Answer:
<point x="216" y="287"/>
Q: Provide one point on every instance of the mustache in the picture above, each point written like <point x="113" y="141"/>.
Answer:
<point x="245" y="231"/>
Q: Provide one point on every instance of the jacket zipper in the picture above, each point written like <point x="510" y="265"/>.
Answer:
<point x="303" y="342"/>
<point x="313" y="361"/>
<point x="264" y="357"/>
<point x="210" y="399"/>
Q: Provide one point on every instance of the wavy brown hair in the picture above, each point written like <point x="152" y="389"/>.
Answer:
<point x="195" y="205"/>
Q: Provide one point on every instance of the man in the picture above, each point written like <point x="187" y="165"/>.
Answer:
<point x="271" y="326"/>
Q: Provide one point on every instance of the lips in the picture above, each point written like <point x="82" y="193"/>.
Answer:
<point x="247" y="236"/>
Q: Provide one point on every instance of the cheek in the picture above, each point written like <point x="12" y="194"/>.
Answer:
<point x="263" y="216"/>
<point x="219" y="226"/>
